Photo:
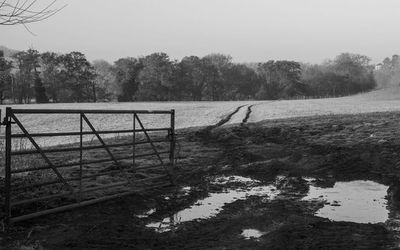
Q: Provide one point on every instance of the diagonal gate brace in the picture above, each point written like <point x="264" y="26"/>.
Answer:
<point x="105" y="146"/>
<point x="154" y="148"/>
<point x="47" y="160"/>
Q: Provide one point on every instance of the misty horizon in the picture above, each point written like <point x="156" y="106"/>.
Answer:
<point x="252" y="31"/>
<point x="326" y="60"/>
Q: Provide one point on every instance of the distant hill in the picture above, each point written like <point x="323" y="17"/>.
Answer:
<point x="8" y="52"/>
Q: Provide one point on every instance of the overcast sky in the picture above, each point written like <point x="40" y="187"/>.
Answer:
<point x="249" y="30"/>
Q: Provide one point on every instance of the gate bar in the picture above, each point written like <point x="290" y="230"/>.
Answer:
<point x="85" y="163"/>
<point x="76" y="205"/>
<point x="117" y="184"/>
<point x="35" y="185"/>
<point x="25" y="152"/>
<point x="89" y="132"/>
<point x="42" y="198"/>
<point x="87" y="111"/>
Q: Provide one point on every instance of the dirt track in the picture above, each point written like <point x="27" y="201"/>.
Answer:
<point x="328" y="148"/>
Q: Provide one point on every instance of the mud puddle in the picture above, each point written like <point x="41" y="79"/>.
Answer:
<point x="147" y="213"/>
<point x="354" y="201"/>
<point x="249" y="234"/>
<point x="213" y="204"/>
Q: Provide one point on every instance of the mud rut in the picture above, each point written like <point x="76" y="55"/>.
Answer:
<point x="229" y="116"/>
<point x="246" y="118"/>
<point x="226" y="119"/>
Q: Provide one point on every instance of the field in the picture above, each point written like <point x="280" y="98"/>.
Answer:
<point x="301" y="174"/>
<point x="196" y="114"/>
<point x="377" y="101"/>
<point x="188" y="114"/>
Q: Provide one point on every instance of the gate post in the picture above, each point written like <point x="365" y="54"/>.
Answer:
<point x="80" y="154"/>
<point x="134" y="143"/>
<point x="172" y="135"/>
<point x="7" y="187"/>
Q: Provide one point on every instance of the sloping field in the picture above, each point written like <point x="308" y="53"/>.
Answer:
<point x="192" y="114"/>
<point x="375" y="101"/>
<point x="188" y="114"/>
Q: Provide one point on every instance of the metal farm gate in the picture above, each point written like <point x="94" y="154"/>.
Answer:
<point x="43" y="180"/>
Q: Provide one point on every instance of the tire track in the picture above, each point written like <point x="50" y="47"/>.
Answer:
<point x="227" y="118"/>
<point x="246" y="118"/>
<point x="249" y="110"/>
<point x="206" y="131"/>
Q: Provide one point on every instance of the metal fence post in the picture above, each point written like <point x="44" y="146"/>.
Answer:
<point x="172" y="142"/>
<point x="80" y="156"/>
<point x="7" y="188"/>
<point x="134" y="142"/>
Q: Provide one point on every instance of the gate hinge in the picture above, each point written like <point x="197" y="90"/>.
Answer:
<point x="170" y="135"/>
<point x="5" y="122"/>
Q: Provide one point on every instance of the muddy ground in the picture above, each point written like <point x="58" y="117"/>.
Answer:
<point x="327" y="148"/>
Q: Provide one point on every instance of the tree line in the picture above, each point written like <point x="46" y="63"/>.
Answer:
<point x="30" y="76"/>
<point x="387" y="73"/>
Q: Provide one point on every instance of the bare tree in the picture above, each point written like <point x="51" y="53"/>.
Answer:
<point x="13" y="12"/>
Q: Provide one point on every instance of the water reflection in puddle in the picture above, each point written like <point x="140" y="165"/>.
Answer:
<point x="355" y="201"/>
<point x="184" y="191"/>
<point x="233" y="178"/>
<point x="146" y="214"/>
<point x="251" y="234"/>
<point x="211" y="206"/>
